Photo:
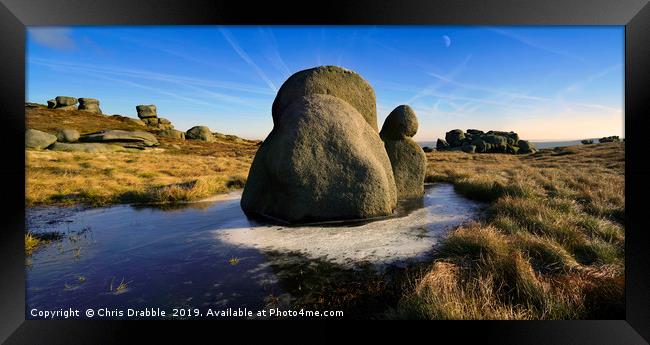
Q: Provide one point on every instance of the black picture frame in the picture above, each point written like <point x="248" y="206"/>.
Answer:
<point x="16" y="15"/>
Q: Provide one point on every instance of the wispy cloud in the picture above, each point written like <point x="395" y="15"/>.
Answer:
<point x="433" y="87"/>
<point x="189" y="83"/>
<point x="142" y="74"/>
<point x="534" y="44"/>
<point x="513" y="95"/>
<point x="244" y="56"/>
<point x="55" y="38"/>
<point x="273" y="54"/>
<point x="580" y="84"/>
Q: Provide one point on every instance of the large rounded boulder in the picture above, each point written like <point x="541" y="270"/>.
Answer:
<point x="407" y="159"/>
<point x="322" y="161"/>
<point x="202" y="133"/>
<point x="328" y="80"/>
<point x="35" y="139"/>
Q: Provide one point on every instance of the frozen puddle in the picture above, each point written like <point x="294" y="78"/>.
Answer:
<point x="410" y="236"/>
<point x="209" y="253"/>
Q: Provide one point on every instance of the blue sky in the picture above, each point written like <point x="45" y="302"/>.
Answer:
<point x="546" y="83"/>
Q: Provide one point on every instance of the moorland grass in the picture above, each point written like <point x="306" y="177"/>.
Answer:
<point x="98" y="179"/>
<point x="551" y="246"/>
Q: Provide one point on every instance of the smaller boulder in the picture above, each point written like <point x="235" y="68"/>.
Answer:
<point x="35" y="139"/>
<point x="199" y="133"/>
<point x="68" y="136"/>
<point x="427" y="149"/>
<point x="51" y="104"/>
<point x="401" y="123"/>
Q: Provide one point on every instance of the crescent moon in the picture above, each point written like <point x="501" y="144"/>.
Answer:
<point x="447" y="40"/>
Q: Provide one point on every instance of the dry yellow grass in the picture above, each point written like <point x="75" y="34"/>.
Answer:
<point x="73" y="177"/>
<point x="552" y="246"/>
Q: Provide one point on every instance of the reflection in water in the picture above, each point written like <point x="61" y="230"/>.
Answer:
<point x="209" y="254"/>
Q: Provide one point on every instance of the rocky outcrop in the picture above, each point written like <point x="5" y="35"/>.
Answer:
<point x="68" y="136"/>
<point x="132" y="139"/>
<point x="328" y="80"/>
<point x="475" y="140"/>
<point x="612" y="139"/>
<point x="65" y="103"/>
<point x="587" y="141"/>
<point x="148" y="114"/>
<point x="323" y="160"/>
<point x="35" y="139"/>
<point x="202" y="133"/>
<point x="407" y="159"/>
<point x="90" y="105"/>
<point x="51" y="104"/>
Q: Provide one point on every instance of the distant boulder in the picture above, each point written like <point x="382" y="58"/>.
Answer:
<point x="328" y="80"/>
<point x="202" y="133"/>
<point x="407" y="159"/>
<point x="51" y="104"/>
<point x="68" y="136"/>
<point x="455" y="137"/>
<point x="587" y="141"/>
<point x="427" y="149"/>
<point x="90" y="105"/>
<point x="35" y="139"/>
<point x="146" y="111"/>
<point x="125" y="138"/>
<point x="65" y="103"/>
<point x="612" y="139"/>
